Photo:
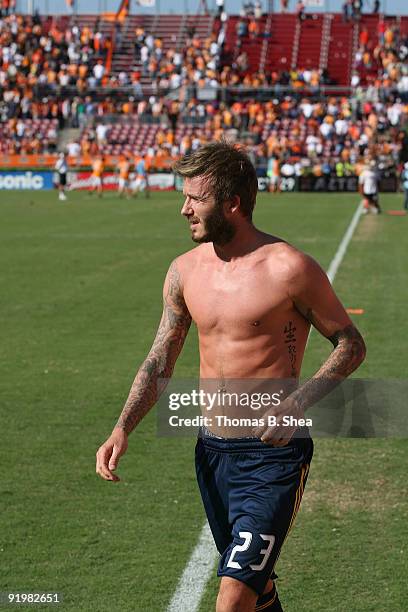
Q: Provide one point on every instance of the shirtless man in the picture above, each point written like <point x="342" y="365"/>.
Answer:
<point x="253" y="297"/>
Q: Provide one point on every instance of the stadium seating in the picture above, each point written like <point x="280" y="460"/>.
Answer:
<point x="280" y="45"/>
<point x="171" y="29"/>
<point x="39" y="136"/>
<point x="340" y="50"/>
<point x="310" y="42"/>
<point x="279" y="48"/>
<point x="251" y="45"/>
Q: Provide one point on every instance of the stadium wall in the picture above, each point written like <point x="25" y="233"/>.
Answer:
<point x="37" y="180"/>
<point x="42" y="180"/>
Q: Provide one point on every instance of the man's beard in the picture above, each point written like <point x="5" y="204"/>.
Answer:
<point x="217" y="229"/>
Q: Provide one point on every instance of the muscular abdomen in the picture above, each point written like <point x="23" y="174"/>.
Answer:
<point x="254" y="351"/>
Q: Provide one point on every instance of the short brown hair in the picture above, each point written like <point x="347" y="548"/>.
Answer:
<point x="227" y="168"/>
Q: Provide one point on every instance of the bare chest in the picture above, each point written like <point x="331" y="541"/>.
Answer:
<point x="240" y="299"/>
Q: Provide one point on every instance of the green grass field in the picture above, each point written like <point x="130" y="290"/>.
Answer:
<point x="80" y="300"/>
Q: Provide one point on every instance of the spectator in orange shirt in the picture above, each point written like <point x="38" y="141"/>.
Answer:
<point x="98" y="168"/>
<point x="364" y="36"/>
<point x="124" y="168"/>
<point x="388" y="37"/>
<point x="253" y="28"/>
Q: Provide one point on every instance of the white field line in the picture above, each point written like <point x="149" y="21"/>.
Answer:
<point x="341" y="250"/>
<point x="199" y="568"/>
<point x="196" y="574"/>
<point x="345" y="241"/>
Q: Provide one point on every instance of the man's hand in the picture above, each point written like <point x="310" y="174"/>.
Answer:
<point x="275" y="431"/>
<point x="108" y="454"/>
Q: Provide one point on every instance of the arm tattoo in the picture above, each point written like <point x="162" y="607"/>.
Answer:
<point x="348" y="353"/>
<point x="159" y="363"/>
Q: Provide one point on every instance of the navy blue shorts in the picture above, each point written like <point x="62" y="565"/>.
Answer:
<point x="251" y="494"/>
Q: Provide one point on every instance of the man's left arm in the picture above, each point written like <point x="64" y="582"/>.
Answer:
<point x="314" y="297"/>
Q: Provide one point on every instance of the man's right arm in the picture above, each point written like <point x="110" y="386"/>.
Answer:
<point x="160" y="361"/>
<point x="159" y="364"/>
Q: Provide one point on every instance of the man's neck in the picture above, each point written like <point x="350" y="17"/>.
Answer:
<point x="246" y="239"/>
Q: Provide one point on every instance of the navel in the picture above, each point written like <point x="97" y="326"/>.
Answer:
<point x="256" y="323"/>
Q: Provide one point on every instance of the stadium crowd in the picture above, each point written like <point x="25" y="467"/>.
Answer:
<point x="36" y="52"/>
<point x="305" y="136"/>
<point x="46" y="70"/>
<point x="381" y="61"/>
<point x="207" y="63"/>
<point x="293" y="123"/>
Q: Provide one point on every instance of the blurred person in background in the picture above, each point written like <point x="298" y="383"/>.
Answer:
<point x="98" y="168"/>
<point x="273" y="173"/>
<point x="368" y="187"/>
<point x="124" y="168"/>
<point x="140" y="182"/>
<point x="61" y="168"/>
<point x="74" y="151"/>
<point x="404" y="183"/>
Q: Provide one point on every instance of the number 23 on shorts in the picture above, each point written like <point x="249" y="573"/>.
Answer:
<point x="265" y="552"/>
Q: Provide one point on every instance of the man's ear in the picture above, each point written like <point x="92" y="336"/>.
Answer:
<point x="233" y="204"/>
